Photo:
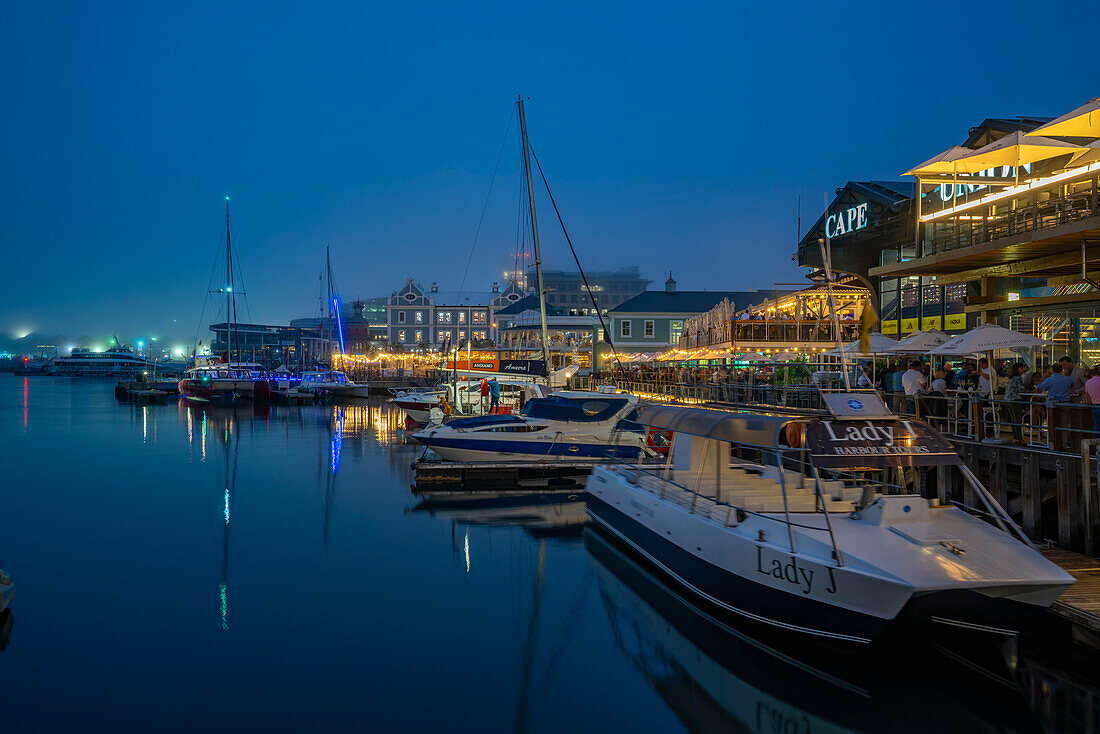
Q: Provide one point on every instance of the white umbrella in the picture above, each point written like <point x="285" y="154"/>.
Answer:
<point x="879" y="344"/>
<point x="987" y="338"/>
<point x="921" y="342"/>
<point x="753" y="357"/>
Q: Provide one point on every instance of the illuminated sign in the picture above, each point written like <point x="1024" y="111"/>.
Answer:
<point x="955" y="321"/>
<point x="1013" y="296"/>
<point x="931" y="322"/>
<point x="847" y="221"/>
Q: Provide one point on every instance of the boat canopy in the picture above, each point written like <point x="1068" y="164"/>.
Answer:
<point x="753" y="429"/>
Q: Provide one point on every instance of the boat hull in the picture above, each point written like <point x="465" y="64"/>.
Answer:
<point x="219" y="389"/>
<point x="747" y="568"/>
<point x="481" y="448"/>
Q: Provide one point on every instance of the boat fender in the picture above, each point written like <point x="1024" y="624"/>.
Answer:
<point x="795" y="433"/>
<point x="658" y="440"/>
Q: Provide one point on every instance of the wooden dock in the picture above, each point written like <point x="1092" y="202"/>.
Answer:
<point x="1080" y="604"/>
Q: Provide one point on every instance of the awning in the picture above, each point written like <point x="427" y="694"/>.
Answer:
<point x="1013" y="150"/>
<point x="879" y="344"/>
<point x="921" y="342"/>
<point x="987" y="338"/>
<point x="1083" y="122"/>
<point x="942" y="163"/>
<point x="753" y="429"/>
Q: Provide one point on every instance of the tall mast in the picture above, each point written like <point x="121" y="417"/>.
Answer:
<point x="535" y="239"/>
<point x="230" y="296"/>
<point x="328" y="294"/>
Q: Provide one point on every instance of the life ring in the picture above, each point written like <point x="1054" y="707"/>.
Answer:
<point x="657" y="439"/>
<point x="794" y="432"/>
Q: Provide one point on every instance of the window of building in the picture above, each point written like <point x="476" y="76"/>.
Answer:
<point x="462" y="334"/>
<point x="675" y="329"/>
<point x="462" y="317"/>
<point x="624" y="329"/>
<point x="480" y="317"/>
<point x="443" y="317"/>
<point x="401" y="336"/>
<point x="442" y="336"/>
<point x="400" y="317"/>
<point x="647" y="329"/>
<point x="419" y="336"/>
<point x="418" y="317"/>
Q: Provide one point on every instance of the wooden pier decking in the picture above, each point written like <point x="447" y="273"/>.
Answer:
<point x="1080" y="604"/>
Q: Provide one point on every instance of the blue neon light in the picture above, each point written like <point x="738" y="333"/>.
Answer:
<point x="339" y="325"/>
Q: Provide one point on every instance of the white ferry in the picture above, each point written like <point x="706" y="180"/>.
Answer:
<point x="115" y="362"/>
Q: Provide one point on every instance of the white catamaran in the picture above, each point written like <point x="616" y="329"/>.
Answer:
<point x="788" y="520"/>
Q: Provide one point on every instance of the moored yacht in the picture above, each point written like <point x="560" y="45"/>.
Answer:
<point x="568" y="425"/>
<point x="789" y="521"/>
<point x="113" y="362"/>
<point x="211" y="380"/>
<point x="332" y="383"/>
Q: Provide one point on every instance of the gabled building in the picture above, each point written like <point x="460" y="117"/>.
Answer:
<point x="419" y="318"/>
<point x="654" y="320"/>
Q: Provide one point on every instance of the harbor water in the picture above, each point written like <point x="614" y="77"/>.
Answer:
<point x="180" y="568"/>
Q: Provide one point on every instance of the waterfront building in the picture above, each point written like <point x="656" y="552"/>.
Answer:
<point x="654" y="320"/>
<point x="266" y="344"/>
<point x="566" y="290"/>
<point x="1012" y="218"/>
<point x="419" y="319"/>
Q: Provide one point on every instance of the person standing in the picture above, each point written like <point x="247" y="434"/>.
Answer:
<point x="1059" y="389"/>
<point x="1013" y="405"/>
<point x="913" y="383"/>
<point x="987" y="378"/>
<point x="494" y="396"/>
<point x="1075" y="373"/>
<point x="1092" y="390"/>
<point x="484" y="392"/>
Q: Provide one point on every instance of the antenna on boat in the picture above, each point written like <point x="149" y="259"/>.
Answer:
<point x="827" y="261"/>
<point x="535" y="238"/>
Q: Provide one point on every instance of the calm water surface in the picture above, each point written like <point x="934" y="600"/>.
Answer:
<point x="187" y="569"/>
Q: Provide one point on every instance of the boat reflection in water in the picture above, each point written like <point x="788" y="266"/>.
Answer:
<point x="717" y="678"/>
<point x="549" y="514"/>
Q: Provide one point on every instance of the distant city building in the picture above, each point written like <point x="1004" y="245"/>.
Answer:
<point x="566" y="290"/>
<point x="419" y="318"/>
<point x="653" y="321"/>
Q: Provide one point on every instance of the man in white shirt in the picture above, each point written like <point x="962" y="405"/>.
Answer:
<point x="1075" y="373"/>
<point x="913" y="382"/>
<point x="987" y="380"/>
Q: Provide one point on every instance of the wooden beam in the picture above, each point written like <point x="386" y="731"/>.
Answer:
<point x="1002" y="305"/>
<point x="1059" y="280"/>
<point x="1017" y="268"/>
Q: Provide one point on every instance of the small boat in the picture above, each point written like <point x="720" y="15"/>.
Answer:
<point x="331" y="383"/>
<point x="569" y="425"/>
<point x="7" y="586"/>
<point x="789" y="521"/>
<point x="417" y="404"/>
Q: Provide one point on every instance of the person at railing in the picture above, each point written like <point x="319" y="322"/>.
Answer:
<point x="1014" y="406"/>
<point x="1074" y="373"/>
<point x="1059" y="389"/>
<point x="865" y="381"/>
<point x="1092" y="393"/>
<point x="913" y="384"/>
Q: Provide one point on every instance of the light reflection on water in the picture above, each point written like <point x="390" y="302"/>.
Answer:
<point x="219" y="569"/>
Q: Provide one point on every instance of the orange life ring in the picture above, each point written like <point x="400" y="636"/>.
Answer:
<point x="658" y="440"/>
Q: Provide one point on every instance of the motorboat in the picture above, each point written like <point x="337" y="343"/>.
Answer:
<point x="115" y="361"/>
<point x="331" y="383"/>
<point x="211" y="380"/>
<point x="417" y="403"/>
<point x="790" y="521"/>
<point x="7" y="587"/>
<point x="568" y="425"/>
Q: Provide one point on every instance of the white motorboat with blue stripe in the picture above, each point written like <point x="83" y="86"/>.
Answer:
<point x="568" y="425"/>
<point x="793" y="521"/>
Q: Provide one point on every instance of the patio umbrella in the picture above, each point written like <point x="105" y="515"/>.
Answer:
<point x="753" y="357"/>
<point x="987" y="338"/>
<point x="879" y="344"/>
<point x="1089" y="154"/>
<point x="942" y="163"/>
<point x="921" y="342"/>
<point x="1013" y="150"/>
<point x="1083" y="122"/>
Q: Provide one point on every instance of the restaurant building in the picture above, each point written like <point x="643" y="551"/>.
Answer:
<point x="1007" y="225"/>
<point x="428" y="318"/>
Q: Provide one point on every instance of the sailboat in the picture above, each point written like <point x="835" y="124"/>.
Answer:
<point x="214" y="378"/>
<point x="568" y="425"/>
<point x="332" y="382"/>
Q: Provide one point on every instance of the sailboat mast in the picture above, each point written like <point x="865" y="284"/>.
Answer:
<point x="230" y="297"/>
<point x="535" y="239"/>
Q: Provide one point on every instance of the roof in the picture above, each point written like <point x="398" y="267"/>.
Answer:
<point x="992" y="128"/>
<point x="692" y="302"/>
<point x="461" y="298"/>
<point x="528" y="303"/>
<point x="754" y="429"/>
<point x="893" y="194"/>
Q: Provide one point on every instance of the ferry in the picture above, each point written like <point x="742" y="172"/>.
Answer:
<point x="114" y="362"/>
<point x="788" y="521"/>
<point x="568" y="425"/>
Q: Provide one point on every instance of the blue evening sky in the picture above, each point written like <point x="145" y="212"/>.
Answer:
<point x="675" y="135"/>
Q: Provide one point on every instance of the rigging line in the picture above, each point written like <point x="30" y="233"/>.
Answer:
<point x="588" y="288"/>
<point x="485" y="206"/>
<point x="206" y="301"/>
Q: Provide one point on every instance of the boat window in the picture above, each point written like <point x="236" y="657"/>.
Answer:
<point x="581" y="411"/>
